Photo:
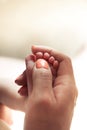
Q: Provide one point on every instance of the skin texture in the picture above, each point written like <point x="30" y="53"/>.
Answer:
<point x="9" y="94"/>
<point x="6" y="114"/>
<point x="4" y="125"/>
<point x="51" y="97"/>
<point x="50" y="105"/>
<point x="39" y="56"/>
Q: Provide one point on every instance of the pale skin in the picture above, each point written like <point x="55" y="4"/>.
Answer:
<point x="53" y="63"/>
<point x="5" y="112"/>
<point x="48" y="106"/>
<point x="8" y="95"/>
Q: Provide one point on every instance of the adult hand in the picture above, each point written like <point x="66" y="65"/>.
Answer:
<point x="50" y="106"/>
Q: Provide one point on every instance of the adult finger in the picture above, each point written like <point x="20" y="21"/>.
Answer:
<point x="21" y="79"/>
<point x="29" y="60"/>
<point x="42" y="78"/>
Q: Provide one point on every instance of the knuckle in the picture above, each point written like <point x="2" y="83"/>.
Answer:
<point x="45" y="76"/>
<point x="45" y="101"/>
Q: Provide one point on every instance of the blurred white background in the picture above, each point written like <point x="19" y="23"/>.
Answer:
<point x="61" y="24"/>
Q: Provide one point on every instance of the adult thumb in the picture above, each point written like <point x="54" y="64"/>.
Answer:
<point x="42" y="77"/>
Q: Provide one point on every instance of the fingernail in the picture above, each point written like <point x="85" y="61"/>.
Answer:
<point x="23" y="91"/>
<point x="40" y="63"/>
<point x="19" y="78"/>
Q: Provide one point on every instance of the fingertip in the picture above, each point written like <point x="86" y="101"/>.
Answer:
<point x="42" y="77"/>
<point x="51" y="60"/>
<point x="33" y="49"/>
<point x="55" y="64"/>
<point x="42" y="64"/>
<point x="19" y="80"/>
<point x="23" y="91"/>
<point x="46" y="56"/>
<point x="39" y="55"/>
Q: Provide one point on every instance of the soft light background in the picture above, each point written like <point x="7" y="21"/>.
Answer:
<point x="61" y="24"/>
